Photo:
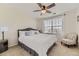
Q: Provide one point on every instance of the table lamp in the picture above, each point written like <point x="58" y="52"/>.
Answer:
<point x="3" y="29"/>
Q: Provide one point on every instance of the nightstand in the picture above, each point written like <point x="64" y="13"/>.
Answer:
<point x="3" y="45"/>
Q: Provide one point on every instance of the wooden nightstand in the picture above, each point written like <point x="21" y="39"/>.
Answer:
<point x="3" y="45"/>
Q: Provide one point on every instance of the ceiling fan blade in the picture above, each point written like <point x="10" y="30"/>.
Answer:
<point x="51" y="5"/>
<point x="40" y="5"/>
<point x="36" y="10"/>
<point x="48" y="11"/>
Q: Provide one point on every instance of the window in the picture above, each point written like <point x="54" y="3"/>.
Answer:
<point x="53" y="25"/>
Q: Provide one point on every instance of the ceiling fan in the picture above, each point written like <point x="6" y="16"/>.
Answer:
<point x="44" y="9"/>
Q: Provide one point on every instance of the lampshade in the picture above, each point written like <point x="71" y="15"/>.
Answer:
<point x="3" y="29"/>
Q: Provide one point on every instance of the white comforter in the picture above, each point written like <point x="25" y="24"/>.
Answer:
<point x="40" y="42"/>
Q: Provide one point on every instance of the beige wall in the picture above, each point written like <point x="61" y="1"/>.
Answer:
<point x="40" y="24"/>
<point x="77" y="24"/>
<point x="70" y="21"/>
<point x="14" y="18"/>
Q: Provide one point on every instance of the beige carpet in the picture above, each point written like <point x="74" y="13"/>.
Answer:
<point x="57" y="50"/>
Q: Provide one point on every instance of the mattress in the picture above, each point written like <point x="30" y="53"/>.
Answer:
<point x="40" y="42"/>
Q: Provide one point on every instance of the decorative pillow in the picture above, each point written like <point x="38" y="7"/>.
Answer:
<point x="28" y="33"/>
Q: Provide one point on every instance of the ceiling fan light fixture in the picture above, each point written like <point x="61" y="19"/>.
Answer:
<point x="43" y="11"/>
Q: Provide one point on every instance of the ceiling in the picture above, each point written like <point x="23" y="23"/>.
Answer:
<point x="29" y="7"/>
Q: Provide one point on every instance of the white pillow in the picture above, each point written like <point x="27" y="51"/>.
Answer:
<point x="21" y="33"/>
<point x="25" y="33"/>
<point x="33" y="32"/>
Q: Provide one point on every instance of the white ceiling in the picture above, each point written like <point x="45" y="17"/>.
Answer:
<point x="29" y="7"/>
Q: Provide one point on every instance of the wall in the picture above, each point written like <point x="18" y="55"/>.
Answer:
<point x="14" y="18"/>
<point x="70" y="21"/>
<point x="40" y="24"/>
<point x="78" y="23"/>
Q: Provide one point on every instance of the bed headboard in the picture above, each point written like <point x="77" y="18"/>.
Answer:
<point x="26" y="29"/>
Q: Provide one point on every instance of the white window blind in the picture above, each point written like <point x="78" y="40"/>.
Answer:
<point x="53" y="25"/>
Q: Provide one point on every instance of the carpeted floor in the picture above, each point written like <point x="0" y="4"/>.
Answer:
<point x="57" y="50"/>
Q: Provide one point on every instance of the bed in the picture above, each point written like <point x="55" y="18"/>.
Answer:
<point x="38" y="44"/>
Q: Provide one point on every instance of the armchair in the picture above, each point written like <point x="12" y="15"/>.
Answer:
<point x="70" y="39"/>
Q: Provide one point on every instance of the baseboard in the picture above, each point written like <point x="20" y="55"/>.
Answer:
<point x="12" y="45"/>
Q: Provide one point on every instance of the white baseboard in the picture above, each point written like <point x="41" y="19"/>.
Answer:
<point x="13" y="45"/>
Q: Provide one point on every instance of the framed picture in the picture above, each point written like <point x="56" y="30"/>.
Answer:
<point x="77" y="18"/>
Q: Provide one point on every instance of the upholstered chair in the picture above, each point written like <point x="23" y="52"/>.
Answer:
<point x="70" y="39"/>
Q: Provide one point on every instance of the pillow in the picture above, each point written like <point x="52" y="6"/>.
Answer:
<point x="25" y="33"/>
<point x="21" y="33"/>
<point x="33" y="32"/>
<point x="28" y="33"/>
